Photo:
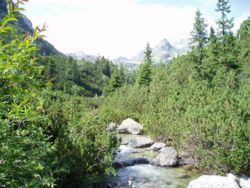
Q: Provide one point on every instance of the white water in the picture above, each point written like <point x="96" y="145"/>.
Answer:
<point x="148" y="176"/>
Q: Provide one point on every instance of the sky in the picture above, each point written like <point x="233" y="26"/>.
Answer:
<point x="115" y="28"/>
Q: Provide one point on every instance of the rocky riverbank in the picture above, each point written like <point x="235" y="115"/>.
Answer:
<point x="141" y="162"/>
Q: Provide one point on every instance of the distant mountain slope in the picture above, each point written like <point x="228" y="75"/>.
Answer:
<point x="182" y="46"/>
<point x="82" y="56"/>
<point x="163" y="52"/>
<point x="24" y="25"/>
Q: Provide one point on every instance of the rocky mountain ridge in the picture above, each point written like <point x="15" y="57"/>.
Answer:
<point x="80" y="55"/>
<point x="163" y="52"/>
<point x="24" y="25"/>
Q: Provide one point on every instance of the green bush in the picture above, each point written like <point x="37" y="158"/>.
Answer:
<point x="84" y="149"/>
<point x="47" y="138"/>
<point x="25" y="152"/>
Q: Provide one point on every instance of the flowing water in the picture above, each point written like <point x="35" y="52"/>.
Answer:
<point x="147" y="175"/>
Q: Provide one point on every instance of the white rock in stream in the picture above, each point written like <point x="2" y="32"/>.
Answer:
<point x="124" y="162"/>
<point x="213" y="181"/>
<point x="157" y="146"/>
<point x="168" y="156"/>
<point x="130" y="126"/>
<point x="140" y="142"/>
<point x="127" y="150"/>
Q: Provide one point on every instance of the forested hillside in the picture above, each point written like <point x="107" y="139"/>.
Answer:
<point x="199" y="102"/>
<point x="54" y="109"/>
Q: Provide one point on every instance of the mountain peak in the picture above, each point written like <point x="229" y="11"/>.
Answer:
<point x="164" y="41"/>
<point x="80" y="55"/>
<point x="164" y="44"/>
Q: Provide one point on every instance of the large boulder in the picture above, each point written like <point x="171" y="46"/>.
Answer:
<point x="168" y="156"/>
<point x="213" y="181"/>
<point x="117" y="164"/>
<point x="123" y="149"/>
<point x="157" y="146"/>
<point x="130" y="126"/>
<point x="140" y="142"/>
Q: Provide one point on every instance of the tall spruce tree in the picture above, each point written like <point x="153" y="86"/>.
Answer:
<point x="144" y="75"/>
<point x="199" y="38"/>
<point x="225" y="24"/>
<point x="228" y="55"/>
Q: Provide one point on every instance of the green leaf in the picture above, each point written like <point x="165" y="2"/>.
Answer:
<point x="8" y="19"/>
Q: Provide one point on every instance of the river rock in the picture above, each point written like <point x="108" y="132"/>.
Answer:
<point x="213" y="181"/>
<point x="130" y="126"/>
<point x="244" y="182"/>
<point x="168" y="156"/>
<point x="140" y="142"/>
<point x="127" y="150"/>
<point x="185" y="159"/>
<point x="157" y="146"/>
<point x="112" y="127"/>
<point x="129" y="162"/>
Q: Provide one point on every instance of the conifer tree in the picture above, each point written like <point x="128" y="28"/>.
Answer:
<point x="213" y="46"/>
<point x="211" y="62"/>
<point x="212" y="35"/>
<point x="199" y="37"/>
<point x="144" y="75"/>
<point x="117" y="80"/>
<point x="228" y="55"/>
<point x="244" y="43"/>
<point x="225" y="24"/>
<point x="244" y="38"/>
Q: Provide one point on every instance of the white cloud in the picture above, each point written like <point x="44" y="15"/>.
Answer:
<point x="239" y="20"/>
<point x="112" y="28"/>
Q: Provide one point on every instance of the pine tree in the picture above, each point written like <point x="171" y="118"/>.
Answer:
<point x="211" y="62"/>
<point x="144" y="75"/>
<point x="103" y="66"/>
<point x="244" y="43"/>
<point x="117" y="80"/>
<point x="225" y="24"/>
<point x="212" y="36"/>
<point x="199" y="37"/>
<point x="213" y="46"/>
<point x="228" y="55"/>
<point x="148" y="54"/>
